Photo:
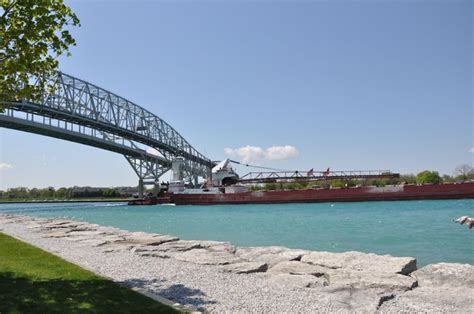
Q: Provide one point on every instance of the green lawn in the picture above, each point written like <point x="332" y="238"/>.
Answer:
<point x="35" y="281"/>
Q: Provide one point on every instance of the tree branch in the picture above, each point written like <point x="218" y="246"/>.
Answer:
<point x="8" y="9"/>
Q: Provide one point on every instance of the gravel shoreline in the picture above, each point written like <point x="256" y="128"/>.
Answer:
<point x="216" y="277"/>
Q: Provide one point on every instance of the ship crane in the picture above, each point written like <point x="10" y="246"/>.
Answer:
<point x="224" y="175"/>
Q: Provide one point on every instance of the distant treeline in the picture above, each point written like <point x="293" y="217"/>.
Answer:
<point x="66" y="193"/>
<point x="462" y="173"/>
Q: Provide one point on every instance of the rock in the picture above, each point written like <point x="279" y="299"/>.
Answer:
<point x="93" y="242"/>
<point x="160" y="254"/>
<point x="145" y="248"/>
<point x="296" y="281"/>
<point x="271" y="255"/>
<point x="207" y="257"/>
<point x="217" y="246"/>
<point x="454" y="275"/>
<point x="179" y="246"/>
<point x="113" y="238"/>
<point x="358" y="300"/>
<point x="148" y="239"/>
<point x="362" y="261"/>
<point x="347" y="277"/>
<point x="298" y="268"/>
<point x="56" y="234"/>
<point x="116" y="247"/>
<point x="368" y="279"/>
<point x="246" y="267"/>
<point x="85" y="233"/>
<point x="443" y="287"/>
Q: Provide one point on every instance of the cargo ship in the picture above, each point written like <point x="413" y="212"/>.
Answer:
<point x="353" y="194"/>
<point x="225" y="187"/>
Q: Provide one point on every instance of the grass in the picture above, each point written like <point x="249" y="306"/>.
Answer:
<point x="35" y="281"/>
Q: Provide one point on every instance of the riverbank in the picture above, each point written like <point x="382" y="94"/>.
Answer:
<point x="86" y="200"/>
<point x="217" y="277"/>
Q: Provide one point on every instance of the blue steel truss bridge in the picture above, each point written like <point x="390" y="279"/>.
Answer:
<point x="81" y="112"/>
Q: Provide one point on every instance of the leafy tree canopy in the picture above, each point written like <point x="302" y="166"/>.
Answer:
<point x="428" y="177"/>
<point x="33" y="34"/>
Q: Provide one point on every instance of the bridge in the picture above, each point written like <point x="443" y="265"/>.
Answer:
<point x="81" y="112"/>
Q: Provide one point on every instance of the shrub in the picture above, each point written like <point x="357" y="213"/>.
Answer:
<point x="428" y="177"/>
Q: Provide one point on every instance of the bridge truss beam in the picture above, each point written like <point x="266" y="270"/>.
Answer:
<point x="82" y="112"/>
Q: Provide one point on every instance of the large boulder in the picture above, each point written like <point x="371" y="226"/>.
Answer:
<point x="347" y="277"/>
<point x="450" y="274"/>
<point x="207" y="257"/>
<point x="178" y="246"/>
<point x="296" y="281"/>
<point x="362" y="261"/>
<point x="443" y="288"/>
<point x="356" y="300"/>
<point x="271" y="255"/>
<point x="298" y="268"/>
<point x="246" y="267"/>
<point x="143" y="238"/>
<point x="370" y="280"/>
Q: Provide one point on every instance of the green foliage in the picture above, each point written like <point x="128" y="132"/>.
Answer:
<point x="35" y="281"/>
<point x="428" y="177"/>
<point x="22" y="193"/>
<point x="338" y="183"/>
<point x="270" y="186"/>
<point x="111" y="193"/>
<point x="255" y="188"/>
<point x="408" y="178"/>
<point x="33" y="34"/>
<point x="448" y="179"/>
<point x="291" y="186"/>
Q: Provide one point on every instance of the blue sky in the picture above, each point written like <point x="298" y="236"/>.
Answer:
<point x="347" y="84"/>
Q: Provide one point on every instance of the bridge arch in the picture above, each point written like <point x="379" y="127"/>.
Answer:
<point x="78" y="111"/>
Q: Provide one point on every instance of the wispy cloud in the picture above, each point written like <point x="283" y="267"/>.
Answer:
<point x="4" y="165"/>
<point x="471" y="150"/>
<point x="250" y="154"/>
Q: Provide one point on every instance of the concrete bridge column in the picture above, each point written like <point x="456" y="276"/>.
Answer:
<point x="196" y="181"/>
<point x="141" y="188"/>
<point x="156" y="188"/>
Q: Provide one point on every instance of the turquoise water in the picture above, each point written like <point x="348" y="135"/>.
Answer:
<point x="422" y="229"/>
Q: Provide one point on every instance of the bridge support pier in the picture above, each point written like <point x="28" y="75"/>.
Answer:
<point x="141" y="188"/>
<point x="195" y="181"/>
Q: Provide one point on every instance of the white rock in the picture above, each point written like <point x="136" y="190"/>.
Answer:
<point x="296" y="281"/>
<point x="362" y="261"/>
<point x="271" y="255"/>
<point x="298" y="268"/>
<point x="246" y="267"/>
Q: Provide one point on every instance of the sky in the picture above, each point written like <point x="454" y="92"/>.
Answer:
<point x="350" y="85"/>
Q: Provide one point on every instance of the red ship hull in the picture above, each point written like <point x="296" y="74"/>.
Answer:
<point x="392" y="193"/>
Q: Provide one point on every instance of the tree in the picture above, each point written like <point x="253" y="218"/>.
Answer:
<point x="408" y="178"/>
<point x="270" y="186"/>
<point x="33" y="34"/>
<point x="464" y="172"/>
<point x="428" y="177"/>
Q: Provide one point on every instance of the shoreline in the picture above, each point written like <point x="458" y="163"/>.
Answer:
<point x="67" y="201"/>
<point x="217" y="276"/>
